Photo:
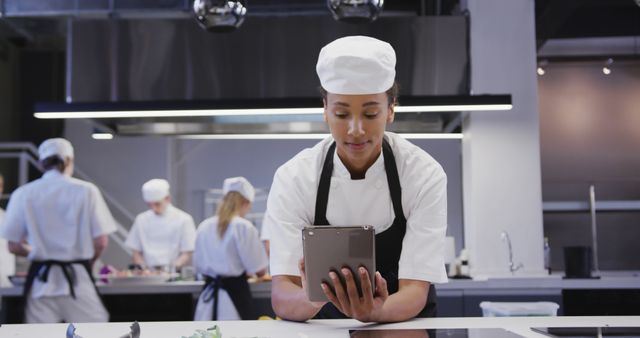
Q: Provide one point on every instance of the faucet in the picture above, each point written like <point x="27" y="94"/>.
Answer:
<point x="513" y="267"/>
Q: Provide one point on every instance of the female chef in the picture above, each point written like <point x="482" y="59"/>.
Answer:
<point x="227" y="249"/>
<point x="163" y="236"/>
<point x="65" y="222"/>
<point x="360" y="175"/>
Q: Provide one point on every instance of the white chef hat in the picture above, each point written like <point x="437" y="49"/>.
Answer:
<point x="155" y="190"/>
<point x="356" y="65"/>
<point x="241" y="185"/>
<point x="55" y="147"/>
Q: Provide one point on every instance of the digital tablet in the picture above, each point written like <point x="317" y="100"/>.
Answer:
<point x="330" y="248"/>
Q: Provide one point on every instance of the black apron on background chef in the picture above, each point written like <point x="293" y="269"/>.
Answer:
<point x="361" y="175"/>
<point x="227" y="248"/>
<point x="163" y="236"/>
<point x="61" y="224"/>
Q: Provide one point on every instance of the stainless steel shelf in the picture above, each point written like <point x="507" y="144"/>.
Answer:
<point x="583" y="206"/>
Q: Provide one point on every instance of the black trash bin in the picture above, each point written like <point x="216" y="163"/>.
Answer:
<point x="578" y="261"/>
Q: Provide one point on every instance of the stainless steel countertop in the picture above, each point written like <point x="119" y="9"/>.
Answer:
<point x="507" y="285"/>
<point x="323" y="328"/>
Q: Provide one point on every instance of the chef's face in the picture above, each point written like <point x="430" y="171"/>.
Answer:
<point x="357" y="123"/>
<point x="160" y="206"/>
<point x="245" y="208"/>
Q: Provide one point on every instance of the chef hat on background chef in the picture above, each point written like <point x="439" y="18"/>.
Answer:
<point x="55" y="147"/>
<point x="241" y="185"/>
<point x="356" y="65"/>
<point x="155" y="190"/>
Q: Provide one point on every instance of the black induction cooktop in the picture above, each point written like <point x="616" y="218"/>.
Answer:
<point x="433" y="333"/>
<point x="589" y="332"/>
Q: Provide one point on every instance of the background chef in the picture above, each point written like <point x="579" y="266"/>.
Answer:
<point x="227" y="249"/>
<point x="7" y="259"/>
<point x="61" y="224"/>
<point x="360" y="175"/>
<point x="163" y="236"/>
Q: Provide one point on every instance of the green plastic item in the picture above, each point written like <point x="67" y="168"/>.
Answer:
<point x="212" y="332"/>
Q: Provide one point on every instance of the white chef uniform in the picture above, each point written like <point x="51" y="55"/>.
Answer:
<point x="161" y="238"/>
<point x="240" y="250"/>
<point x="59" y="216"/>
<point x="7" y="259"/>
<point x="292" y="198"/>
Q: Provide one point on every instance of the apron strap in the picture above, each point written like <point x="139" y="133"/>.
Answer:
<point x="323" y="188"/>
<point x="393" y="180"/>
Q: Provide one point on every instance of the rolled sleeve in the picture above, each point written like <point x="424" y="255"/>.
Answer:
<point x="265" y="235"/>
<point x="285" y="218"/>
<point x="14" y="227"/>
<point x="102" y="222"/>
<point x="253" y="256"/>
<point x="188" y="235"/>
<point x="422" y="256"/>
<point x="133" y="239"/>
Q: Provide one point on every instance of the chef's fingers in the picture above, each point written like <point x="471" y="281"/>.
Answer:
<point x="303" y="274"/>
<point x="381" y="286"/>
<point x="352" y="288"/>
<point x="367" y="292"/>
<point x="330" y="295"/>
<point x="343" y="299"/>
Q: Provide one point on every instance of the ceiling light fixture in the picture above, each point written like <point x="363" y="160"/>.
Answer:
<point x="265" y="107"/>
<point x="606" y="69"/>
<point x="219" y="15"/>
<point x="437" y="136"/>
<point x="355" y="11"/>
<point x="102" y="136"/>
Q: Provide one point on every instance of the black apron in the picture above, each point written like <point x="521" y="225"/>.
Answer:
<point x="238" y="289"/>
<point x="388" y="242"/>
<point x="41" y="269"/>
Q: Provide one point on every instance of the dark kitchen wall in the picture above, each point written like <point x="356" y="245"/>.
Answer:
<point x="590" y="134"/>
<point x="266" y="57"/>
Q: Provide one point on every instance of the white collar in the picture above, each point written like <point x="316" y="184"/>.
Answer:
<point x="167" y="211"/>
<point x="53" y="173"/>
<point x="340" y="170"/>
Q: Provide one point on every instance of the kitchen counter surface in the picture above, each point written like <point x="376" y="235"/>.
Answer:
<point x="508" y="284"/>
<point x="314" y="328"/>
<point x="543" y="282"/>
<point x="262" y="289"/>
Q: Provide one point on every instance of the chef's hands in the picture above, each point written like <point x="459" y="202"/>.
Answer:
<point x="367" y="308"/>
<point x="303" y="278"/>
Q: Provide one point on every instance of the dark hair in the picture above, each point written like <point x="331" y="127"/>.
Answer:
<point x="53" y="162"/>
<point x="392" y="93"/>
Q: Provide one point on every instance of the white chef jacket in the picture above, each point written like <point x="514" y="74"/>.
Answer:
<point x="265" y="235"/>
<point x="161" y="238"/>
<point x="238" y="251"/>
<point x="59" y="216"/>
<point x="7" y="259"/>
<point x="292" y="198"/>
